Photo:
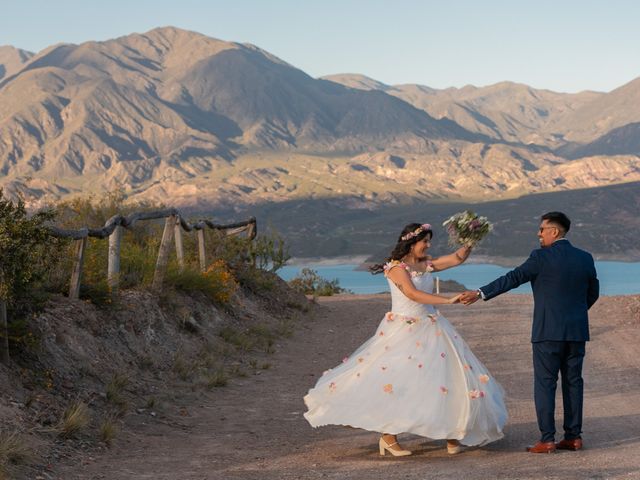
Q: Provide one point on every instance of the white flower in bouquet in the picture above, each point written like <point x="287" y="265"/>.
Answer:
<point x="467" y="228"/>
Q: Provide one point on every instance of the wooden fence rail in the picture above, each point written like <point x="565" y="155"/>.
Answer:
<point x="175" y="224"/>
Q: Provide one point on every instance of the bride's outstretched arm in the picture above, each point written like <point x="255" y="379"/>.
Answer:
<point x="402" y="280"/>
<point x="451" y="260"/>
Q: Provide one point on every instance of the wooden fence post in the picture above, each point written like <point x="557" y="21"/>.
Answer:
<point x="201" y="251"/>
<point x="4" y="334"/>
<point x="163" y="252"/>
<point x="76" y="275"/>
<point x="251" y="231"/>
<point x="177" y="233"/>
<point x="113" y="273"/>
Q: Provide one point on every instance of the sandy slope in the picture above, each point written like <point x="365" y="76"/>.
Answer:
<point x="254" y="429"/>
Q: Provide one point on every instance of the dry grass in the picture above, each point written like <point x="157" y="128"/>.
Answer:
<point x="217" y="378"/>
<point x="13" y="450"/>
<point x="182" y="367"/>
<point x="75" y="419"/>
<point x="108" y="430"/>
<point x="114" y="391"/>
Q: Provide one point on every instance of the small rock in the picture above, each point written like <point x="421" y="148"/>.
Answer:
<point x="192" y="325"/>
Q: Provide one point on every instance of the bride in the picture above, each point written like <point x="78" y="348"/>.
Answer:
<point x="416" y="374"/>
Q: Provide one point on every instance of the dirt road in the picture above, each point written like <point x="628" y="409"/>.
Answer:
<point x="254" y="429"/>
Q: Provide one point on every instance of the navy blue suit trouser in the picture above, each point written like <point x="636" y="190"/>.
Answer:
<point x="549" y="358"/>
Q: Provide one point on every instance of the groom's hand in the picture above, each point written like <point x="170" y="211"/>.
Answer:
<point x="469" y="297"/>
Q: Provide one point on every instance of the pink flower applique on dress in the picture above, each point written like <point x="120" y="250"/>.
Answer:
<point x="383" y="368"/>
<point x="411" y="320"/>
<point x="476" y="393"/>
<point x="419" y="365"/>
<point x="389" y="316"/>
<point x="443" y="354"/>
<point x="332" y="387"/>
<point x="388" y="388"/>
<point x="394" y="263"/>
<point x="381" y="334"/>
<point x="484" y="378"/>
<point x="360" y="360"/>
<point x="345" y="359"/>
<point x="444" y="390"/>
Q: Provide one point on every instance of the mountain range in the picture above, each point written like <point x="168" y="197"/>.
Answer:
<point x="177" y="117"/>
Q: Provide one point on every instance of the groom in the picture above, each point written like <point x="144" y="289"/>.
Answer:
<point x="565" y="286"/>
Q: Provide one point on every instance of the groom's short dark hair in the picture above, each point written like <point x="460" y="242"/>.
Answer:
<point x="559" y="219"/>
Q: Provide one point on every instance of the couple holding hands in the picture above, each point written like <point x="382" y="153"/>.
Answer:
<point x="417" y="375"/>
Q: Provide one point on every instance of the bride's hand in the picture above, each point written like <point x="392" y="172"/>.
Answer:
<point x="455" y="299"/>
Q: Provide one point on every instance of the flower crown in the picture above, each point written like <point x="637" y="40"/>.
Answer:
<point x="416" y="232"/>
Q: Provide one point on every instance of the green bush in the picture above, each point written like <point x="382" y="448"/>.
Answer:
<point x="216" y="282"/>
<point x="269" y="252"/>
<point x="28" y="254"/>
<point x="310" y="283"/>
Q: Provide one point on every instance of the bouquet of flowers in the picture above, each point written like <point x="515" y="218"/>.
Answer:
<point x="467" y="228"/>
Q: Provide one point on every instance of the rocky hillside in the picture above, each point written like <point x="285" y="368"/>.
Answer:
<point x="12" y="59"/>
<point x="573" y="125"/>
<point x="175" y="114"/>
<point x="605" y="222"/>
<point x="507" y="111"/>
<point x="142" y="362"/>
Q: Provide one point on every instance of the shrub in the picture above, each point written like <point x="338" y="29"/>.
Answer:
<point x="310" y="283"/>
<point x="216" y="282"/>
<point x="27" y="255"/>
<point x="269" y="252"/>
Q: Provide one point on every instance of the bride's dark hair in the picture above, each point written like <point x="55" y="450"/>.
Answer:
<point x="403" y="247"/>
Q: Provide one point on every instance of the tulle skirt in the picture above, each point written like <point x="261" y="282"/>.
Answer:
<point x="415" y="375"/>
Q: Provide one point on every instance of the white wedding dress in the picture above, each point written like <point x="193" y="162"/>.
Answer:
<point x="415" y="375"/>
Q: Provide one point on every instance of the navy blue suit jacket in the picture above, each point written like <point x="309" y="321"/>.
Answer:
<point x="565" y="285"/>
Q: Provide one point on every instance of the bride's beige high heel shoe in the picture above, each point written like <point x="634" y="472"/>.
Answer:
<point x="454" y="448"/>
<point x="396" y="453"/>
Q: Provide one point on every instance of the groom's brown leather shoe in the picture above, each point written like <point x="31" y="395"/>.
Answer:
<point x="542" y="447"/>
<point x="575" y="444"/>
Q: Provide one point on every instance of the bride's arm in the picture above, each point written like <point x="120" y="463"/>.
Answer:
<point x="451" y="260"/>
<point x="400" y="277"/>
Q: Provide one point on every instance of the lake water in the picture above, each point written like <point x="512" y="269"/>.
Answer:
<point x="616" y="278"/>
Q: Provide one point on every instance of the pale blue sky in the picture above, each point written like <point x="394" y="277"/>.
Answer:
<point x="562" y="45"/>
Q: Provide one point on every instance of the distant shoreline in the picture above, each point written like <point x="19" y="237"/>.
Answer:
<point x="507" y="262"/>
<point x="326" y="261"/>
<point x="363" y="264"/>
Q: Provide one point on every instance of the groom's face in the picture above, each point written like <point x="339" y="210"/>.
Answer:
<point x="547" y="233"/>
